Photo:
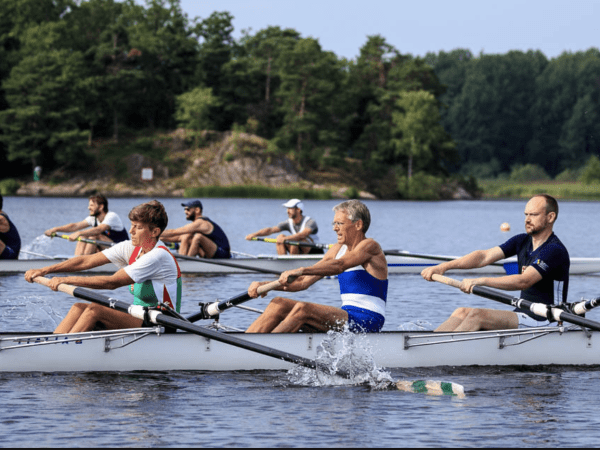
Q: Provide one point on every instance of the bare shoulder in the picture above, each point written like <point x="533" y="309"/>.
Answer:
<point x="371" y="246"/>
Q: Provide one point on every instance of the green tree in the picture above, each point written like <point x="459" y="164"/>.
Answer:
<point x="193" y="109"/>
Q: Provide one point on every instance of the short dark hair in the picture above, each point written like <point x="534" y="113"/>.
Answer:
<point x="551" y="203"/>
<point x="152" y="213"/>
<point x="100" y="199"/>
<point x="1" y="201"/>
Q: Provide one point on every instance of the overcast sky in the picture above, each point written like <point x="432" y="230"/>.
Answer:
<point x="421" y="26"/>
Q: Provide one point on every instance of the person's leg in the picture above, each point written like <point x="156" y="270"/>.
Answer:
<point x="454" y="320"/>
<point x="185" y="243"/>
<point x="276" y="312"/>
<point x="110" y="319"/>
<point x="320" y="317"/>
<point x="202" y="246"/>
<point x="479" y="319"/>
<point x="282" y="249"/>
<point x="71" y="318"/>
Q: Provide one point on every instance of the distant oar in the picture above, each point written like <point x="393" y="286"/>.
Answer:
<point x="87" y="241"/>
<point x="540" y="309"/>
<point x="295" y="243"/>
<point x="511" y="268"/>
<point x="223" y="262"/>
<point x="159" y="318"/>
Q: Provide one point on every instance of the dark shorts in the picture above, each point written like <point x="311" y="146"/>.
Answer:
<point x="221" y="254"/>
<point x="363" y="321"/>
<point x="316" y="251"/>
<point x="117" y="236"/>
<point x="9" y="253"/>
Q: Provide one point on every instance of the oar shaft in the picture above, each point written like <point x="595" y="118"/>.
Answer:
<point x="585" y="306"/>
<point x="221" y="262"/>
<point x="539" y="309"/>
<point x="216" y="308"/>
<point x="295" y="243"/>
<point x="161" y="319"/>
<point x="422" y="256"/>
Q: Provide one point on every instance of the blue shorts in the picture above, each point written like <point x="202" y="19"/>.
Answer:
<point x="221" y="254"/>
<point x="9" y="253"/>
<point x="363" y="321"/>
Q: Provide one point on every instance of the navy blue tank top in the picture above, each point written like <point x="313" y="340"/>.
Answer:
<point x="218" y="236"/>
<point x="12" y="238"/>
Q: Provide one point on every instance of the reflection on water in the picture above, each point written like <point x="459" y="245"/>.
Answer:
<point x="508" y="407"/>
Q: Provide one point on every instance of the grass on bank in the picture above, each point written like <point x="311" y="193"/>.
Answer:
<point x="251" y="191"/>
<point x="563" y="190"/>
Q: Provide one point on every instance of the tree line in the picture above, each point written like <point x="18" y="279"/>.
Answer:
<point x="72" y="72"/>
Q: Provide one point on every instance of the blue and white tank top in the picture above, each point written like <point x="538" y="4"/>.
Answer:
<point x="360" y="289"/>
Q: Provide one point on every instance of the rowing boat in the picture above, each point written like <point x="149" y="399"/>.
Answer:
<point x="397" y="264"/>
<point x="150" y="349"/>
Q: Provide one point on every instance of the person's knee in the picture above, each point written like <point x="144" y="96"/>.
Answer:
<point x="462" y="312"/>
<point x="300" y="311"/>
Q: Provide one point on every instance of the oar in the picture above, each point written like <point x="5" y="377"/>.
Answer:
<point x="222" y="262"/>
<point x="87" y="241"/>
<point x="540" y="309"/>
<point x="296" y="243"/>
<point x="159" y="318"/>
<point x="584" y="306"/>
<point x="210" y="310"/>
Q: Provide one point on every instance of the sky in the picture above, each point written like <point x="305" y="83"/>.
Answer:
<point x="421" y="26"/>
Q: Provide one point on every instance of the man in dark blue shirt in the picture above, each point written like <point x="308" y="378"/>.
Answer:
<point x="10" y="241"/>
<point x="543" y="272"/>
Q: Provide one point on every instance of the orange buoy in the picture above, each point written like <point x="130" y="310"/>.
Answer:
<point x="505" y="227"/>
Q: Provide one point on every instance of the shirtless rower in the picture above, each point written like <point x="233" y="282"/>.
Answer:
<point x="105" y="226"/>
<point x="10" y="241"/>
<point x="301" y="228"/>
<point x="362" y="272"/>
<point x="543" y="272"/>
<point x="149" y="268"/>
<point x="202" y="237"/>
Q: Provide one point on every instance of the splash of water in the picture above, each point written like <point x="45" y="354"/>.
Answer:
<point x="342" y="352"/>
<point x="37" y="248"/>
<point x="418" y="325"/>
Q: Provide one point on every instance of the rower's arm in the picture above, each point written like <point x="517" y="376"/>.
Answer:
<point x="68" y="228"/>
<point x="474" y="260"/>
<point x="519" y="282"/>
<point x="119" y="279"/>
<point x="4" y="225"/>
<point x="76" y="264"/>
<point x="263" y="232"/>
<point x="198" y="226"/>
<point x="93" y="231"/>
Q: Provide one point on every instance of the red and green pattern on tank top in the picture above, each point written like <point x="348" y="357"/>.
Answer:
<point x="151" y="293"/>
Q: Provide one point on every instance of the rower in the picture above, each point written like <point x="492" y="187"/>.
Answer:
<point x="10" y="241"/>
<point x="105" y="226"/>
<point x="362" y="272"/>
<point x="202" y="237"/>
<point x="543" y="274"/>
<point x="150" y="269"/>
<point x="302" y="229"/>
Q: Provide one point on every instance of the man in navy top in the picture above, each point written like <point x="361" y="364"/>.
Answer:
<point x="10" y="241"/>
<point x="543" y="272"/>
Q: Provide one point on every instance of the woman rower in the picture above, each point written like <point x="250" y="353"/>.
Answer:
<point x="150" y="269"/>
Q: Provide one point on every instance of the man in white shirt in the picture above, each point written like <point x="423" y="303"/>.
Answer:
<point x="105" y="226"/>
<point x="301" y="228"/>
<point x="150" y="269"/>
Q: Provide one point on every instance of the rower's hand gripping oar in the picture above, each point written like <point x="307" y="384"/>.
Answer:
<point x="552" y="313"/>
<point x="159" y="318"/>
<point x="210" y="310"/>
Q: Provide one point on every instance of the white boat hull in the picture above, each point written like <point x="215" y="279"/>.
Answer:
<point x="396" y="265"/>
<point x="145" y="350"/>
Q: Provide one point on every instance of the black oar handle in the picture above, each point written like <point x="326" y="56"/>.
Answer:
<point x="159" y="318"/>
<point x="295" y="243"/>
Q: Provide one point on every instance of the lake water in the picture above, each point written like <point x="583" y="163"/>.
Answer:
<point x="506" y="407"/>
